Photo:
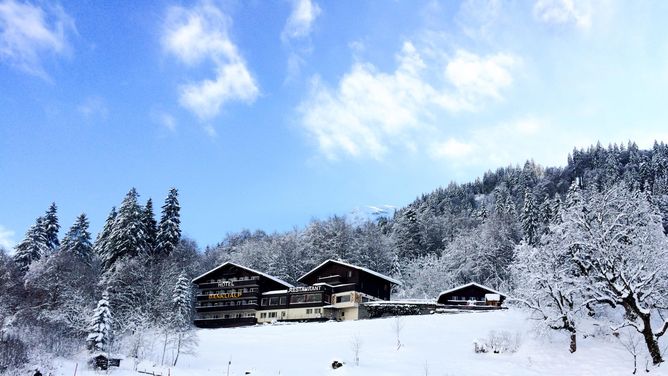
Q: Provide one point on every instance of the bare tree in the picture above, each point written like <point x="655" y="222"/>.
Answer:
<point x="356" y="346"/>
<point x="631" y="342"/>
<point x="398" y="326"/>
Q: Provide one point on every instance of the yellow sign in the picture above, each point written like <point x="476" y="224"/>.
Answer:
<point x="228" y="295"/>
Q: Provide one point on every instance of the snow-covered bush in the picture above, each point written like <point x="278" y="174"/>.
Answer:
<point x="498" y="343"/>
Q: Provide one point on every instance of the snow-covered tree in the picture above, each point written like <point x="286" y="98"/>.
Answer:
<point x="181" y="315"/>
<point x="101" y="246"/>
<point x="169" y="230"/>
<point x="616" y="239"/>
<point x="77" y="240"/>
<point x="32" y="247"/>
<point x="99" y="332"/>
<point x="547" y="282"/>
<point x="530" y="219"/>
<point x="150" y="226"/>
<point x="51" y="228"/>
<point x="127" y="238"/>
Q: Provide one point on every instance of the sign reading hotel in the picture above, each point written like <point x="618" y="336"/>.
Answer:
<point x="228" y="295"/>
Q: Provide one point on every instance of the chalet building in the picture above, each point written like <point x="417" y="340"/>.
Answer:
<point x="348" y="287"/>
<point x="233" y="295"/>
<point x="230" y="295"/>
<point x="472" y="295"/>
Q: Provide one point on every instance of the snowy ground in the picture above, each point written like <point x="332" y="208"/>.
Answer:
<point x="439" y="344"/>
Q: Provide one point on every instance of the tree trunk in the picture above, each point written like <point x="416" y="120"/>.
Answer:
<point x="574" y="345"/>
<point x="651" y="341"/>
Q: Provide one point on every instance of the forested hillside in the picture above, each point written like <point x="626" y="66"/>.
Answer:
<point x="458" y="233"/>
<point x="55" y="291"/>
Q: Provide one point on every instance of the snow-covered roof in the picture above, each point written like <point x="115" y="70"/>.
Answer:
<point x="246" y="268"/>
<point x="274" y="292"/>
<point x="471" y="284"/>
<point x="389" y="279"/>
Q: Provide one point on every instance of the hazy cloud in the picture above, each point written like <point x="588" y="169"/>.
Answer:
<point x="6" y="238"/>
<point x="164" y="119"/>
<point x="28" y="31"/>
<point x="198" y="34"/>
<point x="577" y="12"/>
<point x="93" y="107"/>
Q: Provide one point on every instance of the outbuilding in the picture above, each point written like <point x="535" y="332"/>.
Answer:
<point x="471" y="294"/>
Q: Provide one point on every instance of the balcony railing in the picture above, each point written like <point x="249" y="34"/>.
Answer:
<point x="200" y="308"/>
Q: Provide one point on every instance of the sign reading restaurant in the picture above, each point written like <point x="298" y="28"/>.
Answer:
<point x="305" y="289"/>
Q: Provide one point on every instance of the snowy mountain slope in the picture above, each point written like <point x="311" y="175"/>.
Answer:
<point x="431" y="345"/>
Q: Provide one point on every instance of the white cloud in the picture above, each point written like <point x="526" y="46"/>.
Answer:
<point x="6" y="238"/>
<point x="576" y="12"/>
<point x="371" y="112"/>
<point x="28" y="31"/>
<point x="477" y="78"/>
<point x="201" y="34"/>
<point x="300" y="21"/>
<point x="452" y="149"/>
<point x="93" y="107"/>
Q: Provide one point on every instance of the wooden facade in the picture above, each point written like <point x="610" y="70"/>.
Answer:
<point x="230" y="295"/>
<point x="471" y="294"/>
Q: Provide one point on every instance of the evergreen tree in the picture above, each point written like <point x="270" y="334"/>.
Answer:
<point x="99" y="332"/>
<point x="181" y="303"/>
<point x="169" y="231"/>
<point x="51" y="228"/>
<point x="102" y="241"/>
<point x="181" y="312"/>
<point x="127" y="238"/>
<point x="32" y="247"/>
<point x="77" y="240"/>
<point x="150" y="226"/>
<point x="530" y="219"/>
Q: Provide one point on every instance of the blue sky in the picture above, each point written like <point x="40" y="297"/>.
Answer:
<point x="265" y="114"/>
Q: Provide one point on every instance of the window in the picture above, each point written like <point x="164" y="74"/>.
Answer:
<point x="265" y="301"/>
<point x="282" y="313"/>
<point x="317" y="310"/>
<point x="273" y="301"/>
<point x="309" y="311"/>
<point x="282" y="300"/>
<point x="350" y="273"/>
<point x="297" y="299"/>
<point x="263" y="315"/>
<point x="272" y="315"/>
<point x="343" y="298"/>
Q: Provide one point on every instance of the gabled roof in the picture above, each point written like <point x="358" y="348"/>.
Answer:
<point x="389" y="279"/>
<point x="471" y="284"/>
<point x="243" y="267"/>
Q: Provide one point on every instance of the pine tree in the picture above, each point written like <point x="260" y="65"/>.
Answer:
<point x="51" y="228"/>
<point x="77" y="240"/>
<point x="101" y="247"/>
<point x="180" y="320"/>
<point x="150" y="226"/>
<point x="530" y="219"/>
<point x="127" y="237"/>
<point x="169" y="231"/>
<point x="99" y="332"/>
<point x="32" y="247"/>
<point x="181" y="303"/>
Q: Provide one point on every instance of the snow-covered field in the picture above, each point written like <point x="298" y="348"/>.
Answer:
<point x="440" y="344"/>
